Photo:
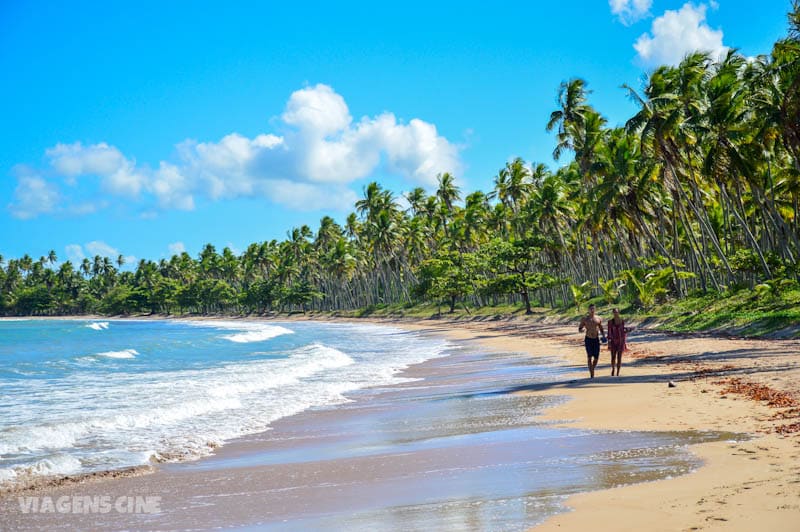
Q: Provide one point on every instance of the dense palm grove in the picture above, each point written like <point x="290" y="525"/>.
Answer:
<point x="699" y="191"/>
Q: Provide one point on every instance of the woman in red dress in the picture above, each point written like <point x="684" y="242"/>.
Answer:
<point x="617" y="332"/>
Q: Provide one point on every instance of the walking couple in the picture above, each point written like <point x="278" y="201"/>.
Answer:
<point x="617" y="333"/>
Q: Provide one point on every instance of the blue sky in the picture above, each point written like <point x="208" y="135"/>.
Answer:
<point x="146" y="128"/>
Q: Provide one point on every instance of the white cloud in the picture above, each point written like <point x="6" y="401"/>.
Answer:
<point x="629" y="11"/>
<point x="171" y="188"/>
<point x="34" y="196"/>
<point x="306" y="196"/>
<point x="98" y="247"/>
<point x="118" y="175"/>
<point x="317" y="110"/>
<point x="323" y="146"/>
<point x="310" y="166"/>
<point x="73" y="159"/>
<point x="224" y="169"/>
<point x="75" y="253"/>
<point x="677" y="33"/>
<point x="176" y="248"/>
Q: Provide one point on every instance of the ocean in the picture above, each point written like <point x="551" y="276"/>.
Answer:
<point x="80" y="396"/>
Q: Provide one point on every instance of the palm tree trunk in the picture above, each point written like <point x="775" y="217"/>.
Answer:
<point x="746" y="229"/>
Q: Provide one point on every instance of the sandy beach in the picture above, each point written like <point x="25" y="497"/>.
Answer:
<point x="402" y="445"/>
<point x="741" y="486"/>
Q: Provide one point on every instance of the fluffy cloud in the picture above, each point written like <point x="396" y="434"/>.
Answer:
<point x="676" y="33"/>
<point x="118" y="174"/>
<point x="33" y="196"/>
<point x="172" y="188"/>
<point x="629" y="11"/>
<point x="321" y="151"/>
<point x="317" y="110"/>
<point x="225" y="169"/>
<point x="322" y="147"/>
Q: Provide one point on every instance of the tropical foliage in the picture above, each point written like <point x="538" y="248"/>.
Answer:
<point x="699" y="192"/>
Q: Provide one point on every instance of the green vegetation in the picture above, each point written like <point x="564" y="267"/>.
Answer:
<point x="691" y="210"/>
<point x="741" y="313"/>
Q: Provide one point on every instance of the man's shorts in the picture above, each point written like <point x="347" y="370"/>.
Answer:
<point x="592" y="347"/>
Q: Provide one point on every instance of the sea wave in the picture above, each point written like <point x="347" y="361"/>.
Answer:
<point x="125" y="353"/>
<point x="58" y="464"/>
<point x="245" y="331"/>
<point x="185" y="396"/>
<point x="114" y="415"/>
<point x="302" y="363"/>
<point x="98" y="325"/>
<point x="258" y="335"/>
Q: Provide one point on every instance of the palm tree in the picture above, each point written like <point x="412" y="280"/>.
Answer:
<point x="513" y="184"/>
<point x="416" y="200"/>
<point x="570" y="117"/>
<point x="447" y="191"/>
<point x="86" y="267"/>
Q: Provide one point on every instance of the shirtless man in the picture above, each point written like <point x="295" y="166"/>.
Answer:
<point x="592" y="325"/>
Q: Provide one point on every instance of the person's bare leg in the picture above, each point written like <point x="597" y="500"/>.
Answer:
<point x="619" y="362"/>
<point x="613" y="361"/>
<point x="594" y="364"/>
<point x="591" y="368"/>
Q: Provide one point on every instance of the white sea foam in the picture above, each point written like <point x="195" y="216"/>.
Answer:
<point x="259" y="334"/>
<point x="190" y="394"/>
<point x="125" y="353"/>
<point x="98" y="325"/>
<point x="246" y="331"/>
<point x="58" y="464"/>
<point x="114" y="419"/>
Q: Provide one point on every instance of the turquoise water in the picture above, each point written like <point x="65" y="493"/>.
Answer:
<point x="78" y="396"/>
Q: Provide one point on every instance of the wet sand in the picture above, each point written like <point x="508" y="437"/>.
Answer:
<point x="457" y="448"/>
<point x="743" y="486"/>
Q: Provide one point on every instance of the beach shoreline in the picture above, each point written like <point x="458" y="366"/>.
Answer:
<point x="740" y="484"/>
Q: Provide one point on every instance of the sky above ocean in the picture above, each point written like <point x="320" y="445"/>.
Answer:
<point x="152" y="128"/>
